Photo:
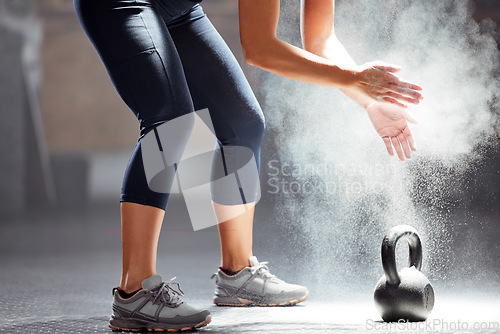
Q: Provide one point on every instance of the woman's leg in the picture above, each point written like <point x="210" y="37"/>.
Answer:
<point x="141" y="60"/>
<point x="216" y="81"/>
<point x="141" y="226"/>
<point x="143" y="63"/>
<point x="235" y="236"/>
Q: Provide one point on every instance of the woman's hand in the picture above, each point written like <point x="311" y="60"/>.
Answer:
<point x="391" y="123"/>
<point x="377" y="81"/>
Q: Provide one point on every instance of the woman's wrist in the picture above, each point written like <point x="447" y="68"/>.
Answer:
<point x="345" y="77"/>
<point x="356" y="94"/>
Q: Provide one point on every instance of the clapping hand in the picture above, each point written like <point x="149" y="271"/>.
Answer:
<point x="391" y="123"/>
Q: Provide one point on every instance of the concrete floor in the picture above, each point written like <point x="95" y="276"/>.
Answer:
<point x="57" y="270"/>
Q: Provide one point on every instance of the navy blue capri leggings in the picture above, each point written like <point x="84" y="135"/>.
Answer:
<point x="166" y="60"/>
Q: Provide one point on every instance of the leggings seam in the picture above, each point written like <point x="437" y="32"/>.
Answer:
<point x="159" y="56"/>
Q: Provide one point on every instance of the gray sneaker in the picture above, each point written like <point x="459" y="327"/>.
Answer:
<point x="255" y="285"/>
<point x="156" y="307"/>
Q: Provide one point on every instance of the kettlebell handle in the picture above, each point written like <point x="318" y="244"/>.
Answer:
<point x="389" y="251"/>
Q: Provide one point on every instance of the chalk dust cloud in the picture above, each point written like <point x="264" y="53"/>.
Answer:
<point x="335" y="188"/>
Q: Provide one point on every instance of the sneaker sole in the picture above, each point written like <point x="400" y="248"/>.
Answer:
<point x="139" y="328"/>
<point x="236" y="301"/>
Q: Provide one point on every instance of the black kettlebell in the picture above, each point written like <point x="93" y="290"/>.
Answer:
<point x="406" y="295"/>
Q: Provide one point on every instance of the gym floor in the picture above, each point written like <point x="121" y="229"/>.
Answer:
<point x="58" y="269"/>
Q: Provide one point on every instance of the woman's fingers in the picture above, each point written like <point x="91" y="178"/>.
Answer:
<point x="393" y="79"/>
<point x="393" y="101"/>
<point x="409" y="137"/>
<point x="388" y="146"/>
<point x="403" y="98"/>
<point x="407" y="92"/>
<point x="400" y="90"/>
<point x="409" y="85"/>
<point x="397" y="147"/>
<point x="404" y="145"/>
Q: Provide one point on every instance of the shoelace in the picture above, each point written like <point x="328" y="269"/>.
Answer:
<point x="167" y="294"/>
<point x="262" y="268"/>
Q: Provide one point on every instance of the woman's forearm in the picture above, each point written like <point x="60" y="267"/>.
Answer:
<point x="327" y="65"/>
<point x="258" y="25"/>
<point x="286" y="60"/>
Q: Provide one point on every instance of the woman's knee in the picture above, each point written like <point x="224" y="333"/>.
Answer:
<point x="260" y="127"/>
<point x="249" y="131"/>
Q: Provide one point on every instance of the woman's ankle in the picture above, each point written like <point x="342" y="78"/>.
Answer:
<point x="131" y="283"/>
<point x="130" y="288"/>
<point x="235" y="265"/>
